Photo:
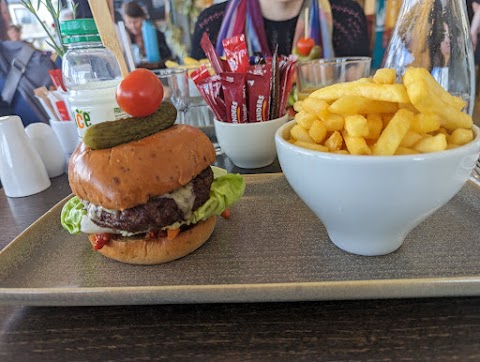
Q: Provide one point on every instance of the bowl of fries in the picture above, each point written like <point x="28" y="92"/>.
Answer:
<point x="374" y="158"/>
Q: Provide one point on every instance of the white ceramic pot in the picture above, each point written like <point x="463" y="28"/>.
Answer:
<point x="249" y="145"/>
<point x="67" y="134"/>
<point x="22" y="170"/>
<point x="48" y="146"/>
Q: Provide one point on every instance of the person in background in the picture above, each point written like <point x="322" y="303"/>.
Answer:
<point x="3" y="31"/>
<point x="445" y="46"/>
<point x="15" y="32"/>
<point x="4" y="20"/>
<point x="134" y="16"/>
<point x="341" y="27"/>
<point x="474" y="32"/>
<point x="475" y="24"/>
<point x="83" y="9"/>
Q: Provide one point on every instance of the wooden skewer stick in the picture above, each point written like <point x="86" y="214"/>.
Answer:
<point x="306" y="22"/>
<point x="103" y="20"/>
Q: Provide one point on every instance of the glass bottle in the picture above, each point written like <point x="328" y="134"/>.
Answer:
<point x="90" y="73"/>
<point x="434" y="34"/>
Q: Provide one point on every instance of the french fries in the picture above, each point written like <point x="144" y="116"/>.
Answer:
<point x="356" y="126"/>
<point x="382" y="118"/>
<point x="189" y="63"/>
<point x="393" y="134"/>
<point x="414" y="74"/>
<point x="385" y="76"/>
<point x="361" y="105"/>
<point x="450" y="117"/>
<point x="377" y="92"/>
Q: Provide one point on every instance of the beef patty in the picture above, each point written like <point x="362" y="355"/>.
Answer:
<point x="159" y="211"/>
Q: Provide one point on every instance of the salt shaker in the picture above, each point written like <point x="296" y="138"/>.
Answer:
<point x="22" y="170"/>
<point x="48" y="147"/>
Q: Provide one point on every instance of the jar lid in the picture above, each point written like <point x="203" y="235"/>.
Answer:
<point x="79" y="30"/>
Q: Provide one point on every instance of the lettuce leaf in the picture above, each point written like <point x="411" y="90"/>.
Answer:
<point x="226" y="189"/>
<point x="72" y="213"/>
<point x="218" y="172"/>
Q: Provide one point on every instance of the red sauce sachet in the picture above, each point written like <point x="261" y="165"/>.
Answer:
<point x="234" y="93"/>
<point x="200" y="73"/>
<point x="258" y="92"/>
<point x="275" y="87"/>
<point x="236" y="53"/>
<point x="287" y="70"/>
<point x="211" y="90"/>
<point x="211" y="54"/>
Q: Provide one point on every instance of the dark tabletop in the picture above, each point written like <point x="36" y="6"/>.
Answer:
<point x="440" y="329"/>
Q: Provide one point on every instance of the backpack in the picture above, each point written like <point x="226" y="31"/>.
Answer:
<point x="22" y="70"/>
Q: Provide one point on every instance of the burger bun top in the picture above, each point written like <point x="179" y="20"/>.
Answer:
<point x="130" y="174"/>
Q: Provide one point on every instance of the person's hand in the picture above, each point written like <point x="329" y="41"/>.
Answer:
<point x="474" y="40"/>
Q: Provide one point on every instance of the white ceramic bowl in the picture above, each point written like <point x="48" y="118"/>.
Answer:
<point x="368" y="204"/>
<point x="249" y="145"/>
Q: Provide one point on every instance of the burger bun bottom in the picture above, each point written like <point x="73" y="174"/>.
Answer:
<point x="133" y="250"/>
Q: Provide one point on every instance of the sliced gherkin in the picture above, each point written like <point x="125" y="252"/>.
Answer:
<point x="114" y="133"/>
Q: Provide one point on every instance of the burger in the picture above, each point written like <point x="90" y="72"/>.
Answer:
<point x="149" y="201"/>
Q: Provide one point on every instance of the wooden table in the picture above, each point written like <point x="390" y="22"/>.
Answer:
<point x="413" y="329"/>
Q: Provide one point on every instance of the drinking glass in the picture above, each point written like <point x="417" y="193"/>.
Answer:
<point x="319" y="73"/>
<point x="435" y="35"/>
<point x="175" y="83"/>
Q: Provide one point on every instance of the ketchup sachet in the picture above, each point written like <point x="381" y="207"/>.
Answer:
<point x="244" y="89"/>
<point x="287" y="71"/>
<point x="236" y="53"/>
<point x="211" y="90"/>
<point x="275" y="87"/>
<point x="200" y="73"/>
<point x="56" y="76"/>
<point x="234" y="93"/>
<point x="258" y="92"/>
<point x="211" y="54"/>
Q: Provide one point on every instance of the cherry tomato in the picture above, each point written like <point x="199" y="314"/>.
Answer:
<point x="140" y="93"/>
<point x="305" y="45"/>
